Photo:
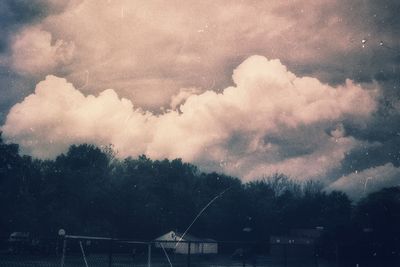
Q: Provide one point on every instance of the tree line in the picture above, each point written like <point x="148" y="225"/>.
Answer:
<point x="88" y="191"/>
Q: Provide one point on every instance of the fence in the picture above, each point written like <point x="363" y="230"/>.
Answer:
<point x="83" y="251"/>
<point x="89" y="251"/>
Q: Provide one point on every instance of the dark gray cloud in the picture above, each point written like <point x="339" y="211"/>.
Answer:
<point x="15" y="14"/>
<point x="384" y="131"/>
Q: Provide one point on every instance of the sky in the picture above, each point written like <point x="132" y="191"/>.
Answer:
<point x="309" y="89"/>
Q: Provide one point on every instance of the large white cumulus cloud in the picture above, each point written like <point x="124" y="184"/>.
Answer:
<point x="268" y="121"/>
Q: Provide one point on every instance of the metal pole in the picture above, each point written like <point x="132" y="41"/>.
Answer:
<point x="316" y="255"/>
<point x="83" y="253"/>
<point x="149" y="255"/>
<point x="63" y="252"/>
<point x="110" y="253"/>
<point x="188" y="257"/>
<point x="337" y="254"/>
<point x="285" y="254"/>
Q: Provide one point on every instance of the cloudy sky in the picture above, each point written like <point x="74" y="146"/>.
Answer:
<point x="249" y="88"/>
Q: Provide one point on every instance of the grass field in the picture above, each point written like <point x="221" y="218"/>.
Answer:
<point x="123" y="260"/>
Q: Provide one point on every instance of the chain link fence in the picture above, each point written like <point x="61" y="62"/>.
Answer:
<point x="83" y="251"/>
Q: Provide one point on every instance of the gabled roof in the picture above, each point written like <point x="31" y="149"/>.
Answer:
<point x="186" y="237"/>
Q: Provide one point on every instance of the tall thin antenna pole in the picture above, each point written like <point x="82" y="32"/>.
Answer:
<point x="201" y="212"/>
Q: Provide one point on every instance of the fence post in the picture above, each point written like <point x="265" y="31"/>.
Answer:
<point x="285" y="254"/>
<point x="149" y="254"/>
<point x="110" y="253"/>
<point x="188" y="256"/>
<point x="64" y="250"/>
<point x="316" y="255"/>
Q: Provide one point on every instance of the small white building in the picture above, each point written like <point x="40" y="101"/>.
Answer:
<point x="176" y="242"/>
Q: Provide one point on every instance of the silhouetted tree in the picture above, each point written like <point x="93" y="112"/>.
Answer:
<point x="89" y="191"/>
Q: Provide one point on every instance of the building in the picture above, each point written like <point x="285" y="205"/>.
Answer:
<point x="177" y="243"/>
<point x="299" y="243"/>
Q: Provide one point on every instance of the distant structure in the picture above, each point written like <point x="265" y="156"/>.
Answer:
<point x="299" y="243"/>
<point x="177" y="243"/>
